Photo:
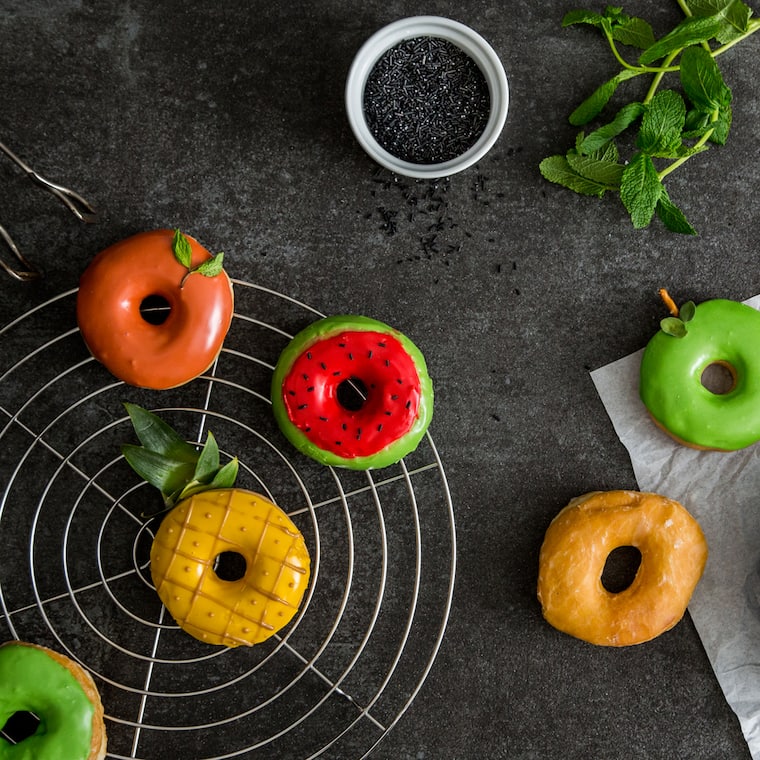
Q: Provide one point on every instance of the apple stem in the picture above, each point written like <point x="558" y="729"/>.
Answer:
<point x="670" y="304"/>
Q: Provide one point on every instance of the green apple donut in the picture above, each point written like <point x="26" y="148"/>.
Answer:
<point x="721" y="333"/>
<point x="350" y="391"/>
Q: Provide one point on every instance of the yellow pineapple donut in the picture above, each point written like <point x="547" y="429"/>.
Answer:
<point x="229" y="612"/>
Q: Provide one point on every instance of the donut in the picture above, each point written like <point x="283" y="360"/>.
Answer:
<point x="576" y="547"/>
<point x="350" y="391"/>
<point x="265" y="593"/>
<point x="720" y="334"/>
<point x="61" y="695"/>
<point x="135" y="346"/>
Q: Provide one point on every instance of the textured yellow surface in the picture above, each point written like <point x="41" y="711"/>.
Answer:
<point x="244" y="611"/>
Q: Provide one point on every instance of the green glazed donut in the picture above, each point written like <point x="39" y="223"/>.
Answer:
<point x="350" y="391"/>
<point x="60" y="694"/>
<point x="721" y="332"/>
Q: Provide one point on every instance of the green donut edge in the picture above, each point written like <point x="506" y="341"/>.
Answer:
<point x="653" y="363"/>
<point x="325" y="328"/>
<point x="62" y="697"/>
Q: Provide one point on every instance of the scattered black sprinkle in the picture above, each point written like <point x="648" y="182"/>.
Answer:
<point x="310" y="389"/>
<point x="291" y="393"/>
<point x="496" y="417"/>
<point x="426" y="101"/>
<point x="305" y="376"/>
<point x="336" y="373"/>
<point x="323" y="365"/>
<point x="387" y="362"/>
<point x="379" y="427"/>
<point x="358" y="433"/>
<point x="344" y="426"/>
<point x="324" y="419"/>
<point x="338" y="443"/>
<point x="350" y="356"/>
<point x="408" y="404"/>
<point x="382" y="345"/>
<point x="308" y="355"/>
<point x="369" y="354"/>
<point x="387" y="413"/>
<point x="394" y="397"/>
<point x="302" y="406"/>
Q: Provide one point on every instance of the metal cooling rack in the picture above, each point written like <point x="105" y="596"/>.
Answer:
<point x="75" y="573"/>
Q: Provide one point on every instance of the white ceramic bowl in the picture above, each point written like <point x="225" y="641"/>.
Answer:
<point x="467" y="40"/>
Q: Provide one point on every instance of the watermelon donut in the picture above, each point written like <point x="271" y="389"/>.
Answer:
<point x="349" y="391"/>
<point x="62" y="696"/>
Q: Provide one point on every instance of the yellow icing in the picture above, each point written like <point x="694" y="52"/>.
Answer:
<point x="245" y="611"/>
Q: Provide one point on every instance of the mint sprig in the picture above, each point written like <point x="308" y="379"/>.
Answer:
<point x="177" y="468"/>
<point x="183" y="252"/>
<point x="671" y="125"/>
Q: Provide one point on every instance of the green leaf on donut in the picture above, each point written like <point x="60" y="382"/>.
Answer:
<point x="183" y="252"/>
<point x="178" y="469"/>
<point x="673" y="326"/>
<point x="676" y="326"/>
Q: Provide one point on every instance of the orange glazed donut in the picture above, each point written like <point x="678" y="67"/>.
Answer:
<point x="575" y="550"/>
<point x="117" y="283"/>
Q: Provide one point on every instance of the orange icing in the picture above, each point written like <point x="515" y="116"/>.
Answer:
<point x="114" y="286"/>
<point x="245" y="611"/>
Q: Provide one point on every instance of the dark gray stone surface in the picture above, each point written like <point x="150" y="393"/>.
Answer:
<point x="227" y="120"/>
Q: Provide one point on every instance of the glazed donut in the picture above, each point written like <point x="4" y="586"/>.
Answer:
<point x="352" y="392"/>
<point x="575" y="550"/>
<point x="230" y="612"/>
<point x="122" y="278"/>
<point x="721" y="333"/>
<point x="61" y="694"/>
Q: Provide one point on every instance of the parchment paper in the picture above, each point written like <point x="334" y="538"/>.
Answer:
<point x="722" y="491"/>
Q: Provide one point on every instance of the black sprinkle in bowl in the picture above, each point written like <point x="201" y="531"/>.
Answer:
<point x="426" y="97"/>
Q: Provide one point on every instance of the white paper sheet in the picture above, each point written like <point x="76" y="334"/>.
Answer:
<point x="722" y="491"/>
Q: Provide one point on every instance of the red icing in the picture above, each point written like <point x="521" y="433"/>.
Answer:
<point x="380" y="363"/>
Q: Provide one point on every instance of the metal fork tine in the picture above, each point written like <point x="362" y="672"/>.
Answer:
<point x="72" y="200"/>
<point x="24" y="275"/>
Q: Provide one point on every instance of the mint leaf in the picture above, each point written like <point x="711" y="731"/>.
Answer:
<point x="635" y="32"/>
<point x="734" y="16"/>
<point x="581" y="16"/>
<point x="722" y="126"/>
<point x="211" y="267"/>
<point x="605" y="172"/>
<point x="673" y="326"/>
<point x="183" y="252"/>
<point x="623" y="119"/>
<point x="640" y="189"/>
<point x="593" y="105"/>
<point x="702" y="81"/>
<point x="672" y="217"/>
<point x="691" y="31"/>
<point x="662" y="123"/>
<point x="557" y="169"/>
<point x="687" y="311"/>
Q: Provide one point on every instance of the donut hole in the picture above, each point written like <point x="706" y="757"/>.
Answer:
<point x="719" y="378"/>
<point x="21" y="725"/>
<point x="230" y="566"/>
<point x="620" y="568"/>
<point x="155" y="309"/>
<point x="352" y="394"/>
